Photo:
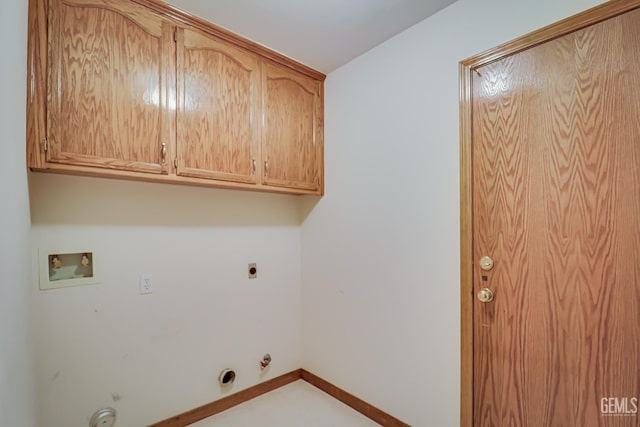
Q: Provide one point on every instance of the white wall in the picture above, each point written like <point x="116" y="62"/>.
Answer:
<point x="380" y="252"/>
<point x="16" y="373"/>
<point x="154" y="356"/>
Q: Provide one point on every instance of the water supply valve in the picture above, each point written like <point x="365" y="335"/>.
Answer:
<point x="266" y="359"/>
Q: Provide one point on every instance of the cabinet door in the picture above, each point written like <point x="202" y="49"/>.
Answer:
<point x="110" y="64"/>
<point x="292" y="134"/>
<point x="217" y="109"/>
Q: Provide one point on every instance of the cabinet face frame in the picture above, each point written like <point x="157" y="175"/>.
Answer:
<point x="37" y="84"/>
<point x="38" y="87"/>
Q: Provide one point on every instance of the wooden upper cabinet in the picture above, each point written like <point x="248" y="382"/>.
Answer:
<point x="140" y="90"/>
<point x="292" y="134"/>
<point x="218" y="104"/>
<point x="108" y="84"/>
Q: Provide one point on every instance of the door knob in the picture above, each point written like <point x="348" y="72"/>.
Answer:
<point x="485" y="295"/>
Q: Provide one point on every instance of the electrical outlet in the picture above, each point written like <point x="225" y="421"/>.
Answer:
<point x="253" y="270"/>
<point x="146" y="284"/>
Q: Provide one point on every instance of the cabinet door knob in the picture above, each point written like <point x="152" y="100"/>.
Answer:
<point x="266" y="167"/>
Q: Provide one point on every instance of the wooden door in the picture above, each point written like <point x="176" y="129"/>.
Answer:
<point x="555" y="158"/>
<point x="292" y="136"/>
<point x="110" y="64"/>
<point x="218" y="102"/>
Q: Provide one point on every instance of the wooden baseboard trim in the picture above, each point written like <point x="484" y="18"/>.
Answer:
<point x="354" y="402"/>
<point x="225" y="403"/>
<point x="213" y="408"/>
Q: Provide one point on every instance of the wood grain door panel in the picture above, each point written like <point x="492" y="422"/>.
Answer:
<point x="110" y="67"/>
<point x="556" y="204"/>
<point x="218" y="103"/>
<point x="292" y="119"/>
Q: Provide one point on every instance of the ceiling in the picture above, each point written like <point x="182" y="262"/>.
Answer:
<point x="321" y="34"/>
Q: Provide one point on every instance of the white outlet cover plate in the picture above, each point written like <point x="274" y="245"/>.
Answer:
<point x="146" y="283"/>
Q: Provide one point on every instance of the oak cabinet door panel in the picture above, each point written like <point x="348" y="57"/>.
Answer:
<point x="109" y="68"/>
<point x="217" y="109"/>
<point x="292" y="133"/>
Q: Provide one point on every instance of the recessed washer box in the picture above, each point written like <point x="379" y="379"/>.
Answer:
<point x="62" y="268"/>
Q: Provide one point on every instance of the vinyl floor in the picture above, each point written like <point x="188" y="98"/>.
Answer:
<point x="298" y="404"/>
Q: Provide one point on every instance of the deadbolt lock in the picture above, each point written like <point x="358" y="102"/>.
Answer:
<point x="486" y="263"/>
